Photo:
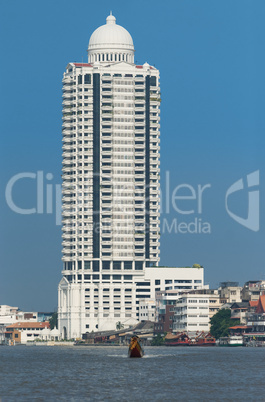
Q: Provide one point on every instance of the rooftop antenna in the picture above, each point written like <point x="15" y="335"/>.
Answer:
<point x="110" y="12"/>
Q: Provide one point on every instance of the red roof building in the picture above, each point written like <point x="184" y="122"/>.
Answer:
<point x="261" y="305"/>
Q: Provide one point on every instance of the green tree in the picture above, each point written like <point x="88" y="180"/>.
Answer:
<point x="196" y="266"/>
<point x="54" y="321"/>
<point x="158" y="340"/>
<point x="221" y="322"/>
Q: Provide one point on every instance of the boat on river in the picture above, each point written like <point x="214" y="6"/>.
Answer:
<point x="135" y="348"/>
<point x="233" y="340"/>
<point x="203" y="340"/>
<point x="182" y="339"/>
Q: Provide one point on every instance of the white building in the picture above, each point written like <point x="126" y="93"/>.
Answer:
<point x="24" y="332"/>
<point x="162" y="284"/>
<point x="8" y="310"/>
<point x="172" y="278"/>
<point x="192" y="313"/>
<point x="147" y="310"/>
<point x="110" y="178"/>
<point x="10" y="315"/>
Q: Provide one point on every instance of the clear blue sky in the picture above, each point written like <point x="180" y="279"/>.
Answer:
<point x="212" y="61"/>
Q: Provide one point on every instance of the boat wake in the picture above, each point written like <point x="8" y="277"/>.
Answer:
<point x="123" y="356"/>
<point x="154" y="356"/>
<point x="144" y="357"/>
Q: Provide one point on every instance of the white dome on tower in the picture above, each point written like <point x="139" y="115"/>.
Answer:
<point x="110" y="43"/>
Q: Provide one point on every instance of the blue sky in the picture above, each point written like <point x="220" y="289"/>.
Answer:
<point x="212" y="61"/>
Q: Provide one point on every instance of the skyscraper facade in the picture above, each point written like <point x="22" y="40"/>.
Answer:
<point x="111" y="153"/>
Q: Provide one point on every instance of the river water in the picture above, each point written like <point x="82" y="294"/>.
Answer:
<point x="55" y="373"/>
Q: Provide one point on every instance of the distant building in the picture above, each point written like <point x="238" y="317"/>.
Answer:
<point x="253" y="304"/>
<point x="42" y="316"/>
<point x="256" y="320"/>
<point x="24" y="332"/>
<point x="239" y="311"/>
<point x="12" y="315"/>
<point x="192" y="313"/>
<point x="2" y="333"/>
<point x="7" y="310"/>
<point x="173" y="278"/>
<point x="8" y="314"/>
<point x="165" y="320"/>
<point x="167" y="303"/>
<point x="214" y="302"/>
<point x="252" y="290"/>
<point x="147" y="310"/>
<point x="230" y="292"/>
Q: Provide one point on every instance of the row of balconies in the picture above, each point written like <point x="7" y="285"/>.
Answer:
<point x="68" y="86"/>
<point x="67" y="139"/>
<point x="68" y="102"/>
<point x="70" y="242"/>
<point x="88" y="217"/>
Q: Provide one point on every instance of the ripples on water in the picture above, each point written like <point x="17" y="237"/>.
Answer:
<point x="106" y="374"/>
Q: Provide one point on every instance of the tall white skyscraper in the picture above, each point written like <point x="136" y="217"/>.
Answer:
<point x="110" y="223"/>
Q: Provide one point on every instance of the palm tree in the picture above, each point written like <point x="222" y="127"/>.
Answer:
<point x="119" y="325"/>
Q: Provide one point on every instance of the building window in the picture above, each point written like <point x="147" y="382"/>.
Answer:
<point x="105" y="264"/>
<point x="157" y="282"/>
<point x="87" y="264"/>
<point x="138" y="265"/>
<point x="127" y="277"/>
<point x="117" y="265"/>
<point x="153" y="81"/>
<point x="96" y="266"/>
<point x="87" y="79"/>
<point x="127" y="264"/>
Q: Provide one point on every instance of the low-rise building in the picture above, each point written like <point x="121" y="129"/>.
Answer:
<point x="172" y="278"/>
<point x="23" y="332"/>
<point x="192" y="313"/>
<point x="252" y="290"/>
<point x="2" y="334"/>
<point x="10" y="315"/>
<point x="147" y="310"/>
<point x="256" y="320"/>
<point x="42" y="316"/>
<point x="165" y="320"/>
<point x="7" y="310"/>
<point x="230" y="292"/>
<point x="165" y="302"/>
<point x="214" y="300"/>
<point x="239" y="311"/>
